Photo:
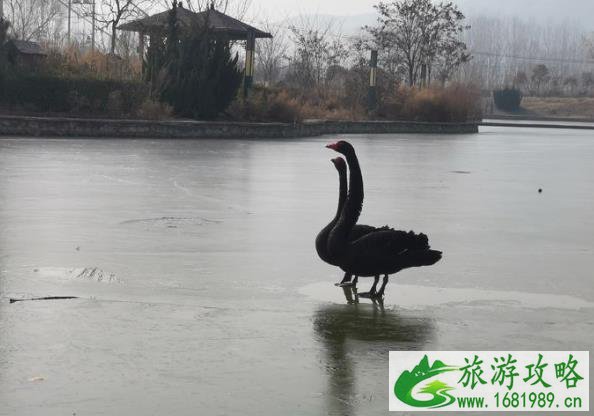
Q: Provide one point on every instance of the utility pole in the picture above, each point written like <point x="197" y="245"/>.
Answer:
<point x="93" y="33"/>
<point x="69" y="17"/>
<point x="83" y="3"/>
<point x="1" y="9"/>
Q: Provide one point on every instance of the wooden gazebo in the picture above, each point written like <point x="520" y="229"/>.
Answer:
<point x="155" y="26"/>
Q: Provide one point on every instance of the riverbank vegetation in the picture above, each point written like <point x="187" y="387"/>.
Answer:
<point x="566" y="107"/>
<point x="310" y="74"/>
<point x="309" y="69"/>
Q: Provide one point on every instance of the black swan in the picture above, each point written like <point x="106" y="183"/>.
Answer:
<point x="357" y="232"/>
<point x="381" y="252"/>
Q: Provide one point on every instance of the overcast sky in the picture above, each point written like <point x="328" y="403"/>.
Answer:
<point x="581" y="10"/>
<point x="280" y="9"/>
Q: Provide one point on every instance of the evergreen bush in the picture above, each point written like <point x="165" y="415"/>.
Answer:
<point x="199" y="78"/>
<point x="508" y="99"/>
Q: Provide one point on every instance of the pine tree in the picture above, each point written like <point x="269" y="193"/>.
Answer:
<point x="4" y="26"/>
<point x="200" y="76"/>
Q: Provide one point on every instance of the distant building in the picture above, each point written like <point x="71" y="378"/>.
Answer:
<point x="25" y="54"/>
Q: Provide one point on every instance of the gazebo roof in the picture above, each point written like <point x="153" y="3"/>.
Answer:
<point x="218" y="22"/>
<point x="26" y="47"/>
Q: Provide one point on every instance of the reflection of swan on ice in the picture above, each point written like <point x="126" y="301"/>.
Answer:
<point x="360" y="336"/>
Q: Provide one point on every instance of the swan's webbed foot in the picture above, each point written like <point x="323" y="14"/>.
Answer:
<point x="378" y="302"/>
<point x="372" y="292"/>
<point x="380" y="293"/>
<point x="368" y="295"/>
<point x="347" y="282"/>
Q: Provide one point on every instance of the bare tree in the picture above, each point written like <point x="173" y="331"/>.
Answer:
<point x="571" y="83"/>
<point x="505" y="46"/>
<point x="540" y="75"/>
<point x="315" y="50"/>
<point x="112" y="12"/>
<point x="32" y="19"/>
<point x="589" y="45"/>
<point x="270" y="54"/>
<point x="588" y="79"/>
<point x="421" y="35"/>
<point x="520" y="80"/>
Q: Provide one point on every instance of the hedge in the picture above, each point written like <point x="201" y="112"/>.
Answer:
<point x="44" y="93"/>
<point x="508" y="99"/>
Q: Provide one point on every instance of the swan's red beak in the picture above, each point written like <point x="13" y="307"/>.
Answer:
<point x="333" y="146"/>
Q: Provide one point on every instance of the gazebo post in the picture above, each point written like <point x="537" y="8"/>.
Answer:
<point x="372" y="91"/>
<point x="141" y="44"/>
<point x="250" y="46"/>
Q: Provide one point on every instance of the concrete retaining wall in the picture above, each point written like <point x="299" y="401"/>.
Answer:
<point x="77" y="127"/>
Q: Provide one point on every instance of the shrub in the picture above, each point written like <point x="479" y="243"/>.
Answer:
<point x="508" y="99"/>
<point x="455" y="103"/>
<point x="115" y="103"/>
<point x="284" y="109"/>
<point x="78" y="103"/>
<point x="4" y="25"/>
<point x="51" y="94"/>
<point x="287" y="105"/>
<point x="263" y="104"/>
<point x="154" y="110"/>
<point x="72" y="62"/>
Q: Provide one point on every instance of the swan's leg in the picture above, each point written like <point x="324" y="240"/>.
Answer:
<point x="374" y="287"/>
<point x="354" y="290"/>
<point x="348" y="295"/>
<point x="371" y="292"/>
<point x="380" y="294"/>
<point x="346" y="280"/>
<point x="379" y="302"/>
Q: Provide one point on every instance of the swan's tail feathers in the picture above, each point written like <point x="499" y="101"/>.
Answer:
<point x="423" y="258"/>
<point x="418" y="241"/>
<point x="432" y="257"/>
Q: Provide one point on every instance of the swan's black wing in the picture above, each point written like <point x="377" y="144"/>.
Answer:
<point x="361" y="230"/>
<point x="388" y="243"/>
<point x="390" y="251"/>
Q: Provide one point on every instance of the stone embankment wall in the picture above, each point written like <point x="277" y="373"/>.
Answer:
<point x="77" y="127"/>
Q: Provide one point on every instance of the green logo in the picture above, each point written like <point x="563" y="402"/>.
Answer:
<point x="408" y="380"/>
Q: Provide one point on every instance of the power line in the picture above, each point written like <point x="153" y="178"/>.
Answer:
<point x="335" y="35"/>
<point x="288" y="26"/>
<point x="81" y="16"/>
<point x="139" y="9"/>
<point x="533" y="58"/>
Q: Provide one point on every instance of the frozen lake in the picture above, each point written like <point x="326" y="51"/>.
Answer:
<point x="201" y="291"/>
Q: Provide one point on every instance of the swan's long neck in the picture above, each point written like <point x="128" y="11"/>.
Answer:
<point x="342" y="192"/>
<point x="352" y="208"/>
<point x="322" y="238"/>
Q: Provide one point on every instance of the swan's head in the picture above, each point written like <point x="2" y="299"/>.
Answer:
<point x="342" y="147"/>
<point x="339" y="164"/>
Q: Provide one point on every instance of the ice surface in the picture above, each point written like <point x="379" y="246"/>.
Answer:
<point x="200" y="291"/>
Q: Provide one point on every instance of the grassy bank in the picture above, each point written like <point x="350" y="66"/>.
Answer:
<point x="578" y="107"/>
